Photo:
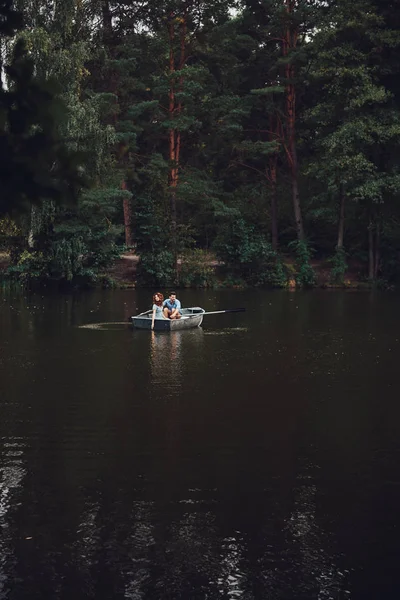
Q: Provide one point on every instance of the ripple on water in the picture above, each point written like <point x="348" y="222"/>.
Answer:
<point x="228" y="331"/>
<point x="105" y="326"/>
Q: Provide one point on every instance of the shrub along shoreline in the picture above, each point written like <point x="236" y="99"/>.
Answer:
<point x="202" y="270"/>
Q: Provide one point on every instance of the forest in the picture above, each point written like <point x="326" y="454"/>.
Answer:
<point x="262" y="135"/>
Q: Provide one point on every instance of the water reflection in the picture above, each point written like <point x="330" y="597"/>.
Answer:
<point x="86" y="548"/>
<point x="165" y="357"/>
<point x="12" y="473"/>
<point x="167" y="351"/>
<point x="313" y="563"/>
<point x="141" y="543"/>
<point x="232" y="576"/>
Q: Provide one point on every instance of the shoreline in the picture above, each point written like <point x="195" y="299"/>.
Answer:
<point x="123" y="271"/>
<point x="121" y="274"/>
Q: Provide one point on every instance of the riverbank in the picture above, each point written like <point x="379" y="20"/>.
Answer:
<point x="122" y="273"/>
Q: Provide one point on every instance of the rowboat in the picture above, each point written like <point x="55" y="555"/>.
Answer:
<point x="191" y="317"/>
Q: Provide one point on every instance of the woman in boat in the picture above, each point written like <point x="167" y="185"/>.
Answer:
<point x="158" y="300"/>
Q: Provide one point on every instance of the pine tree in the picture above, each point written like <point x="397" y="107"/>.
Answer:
<point x="356" y="116"/>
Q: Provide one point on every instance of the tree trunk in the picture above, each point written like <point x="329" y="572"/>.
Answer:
<point x="33" y="226"/>
<point x="340" y="241"/>
<point x="274" y="202"/>
<point x="274" y="134"/>
<point x="127" y="207"/>
<point x="107" y="21"/>
<point x="290" y="43"/>
<point x="371" y="255"/>
<point x="174" y="144"/>
<point x="113" y="87"/>
<point x="175" y="138"/>
<point x="173" y="184"/>
<point x="377" y="251"/>
<point x="295" y="196"/>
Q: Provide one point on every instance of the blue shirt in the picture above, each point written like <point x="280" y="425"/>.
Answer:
<point x="171" y="305"/>
<point x="159" y="311"/>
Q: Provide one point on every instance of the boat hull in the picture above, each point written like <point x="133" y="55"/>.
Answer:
<point x="191" y="317"/>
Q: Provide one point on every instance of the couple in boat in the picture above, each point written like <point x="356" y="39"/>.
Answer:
<point x="165" y="309"/>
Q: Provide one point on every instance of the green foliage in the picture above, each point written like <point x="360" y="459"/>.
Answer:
<point x="156" y="264"/>
<point x="339" y="266"/>
<point x="247" y="255"/>
<point x="305" y="275"/>
<point x="62" y="242"/>
<point x="68" y="257"/>
<point x="156" y="268"/>
<point x="196" y="270"/>
<point x="354" y="115"/>
<point x="35" y="162"/>
<point x="278" y="275"/>
<point x="74" y="260"/>
<point x="31" y="267"/>
<point x="9" y="233"/>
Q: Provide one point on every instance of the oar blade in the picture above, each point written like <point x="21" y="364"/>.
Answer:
<point x="227" y="310"/>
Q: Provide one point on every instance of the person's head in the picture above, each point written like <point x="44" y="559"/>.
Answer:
<point x="158" y="298"/>
<point x="172" y="296"/>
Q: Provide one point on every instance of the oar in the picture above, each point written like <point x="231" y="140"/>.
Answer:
<point x="228" y="310"/>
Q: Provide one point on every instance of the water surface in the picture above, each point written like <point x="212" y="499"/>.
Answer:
<point x="254" y="458"/>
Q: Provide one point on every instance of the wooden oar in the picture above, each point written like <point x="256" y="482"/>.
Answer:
<point x="228" y="310"/>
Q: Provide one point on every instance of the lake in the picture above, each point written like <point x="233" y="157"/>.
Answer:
<point x="256" y="457"/>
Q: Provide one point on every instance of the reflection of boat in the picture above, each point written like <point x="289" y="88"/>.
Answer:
<point x="166" y="348"/>
<point x="191" y="317"/>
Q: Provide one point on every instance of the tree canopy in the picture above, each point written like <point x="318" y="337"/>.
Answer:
<point x="257" y="130"/>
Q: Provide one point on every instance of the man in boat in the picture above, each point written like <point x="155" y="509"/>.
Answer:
<point x="172" y="307"/>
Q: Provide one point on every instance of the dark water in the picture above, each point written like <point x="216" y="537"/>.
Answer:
<point x="255" y="458"/>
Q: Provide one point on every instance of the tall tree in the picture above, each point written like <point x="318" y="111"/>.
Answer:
<point x="283" y="26"/>
<point x="356" y="117"/>
<point x="35" y="161"/>
<point x="291" y="32"/>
